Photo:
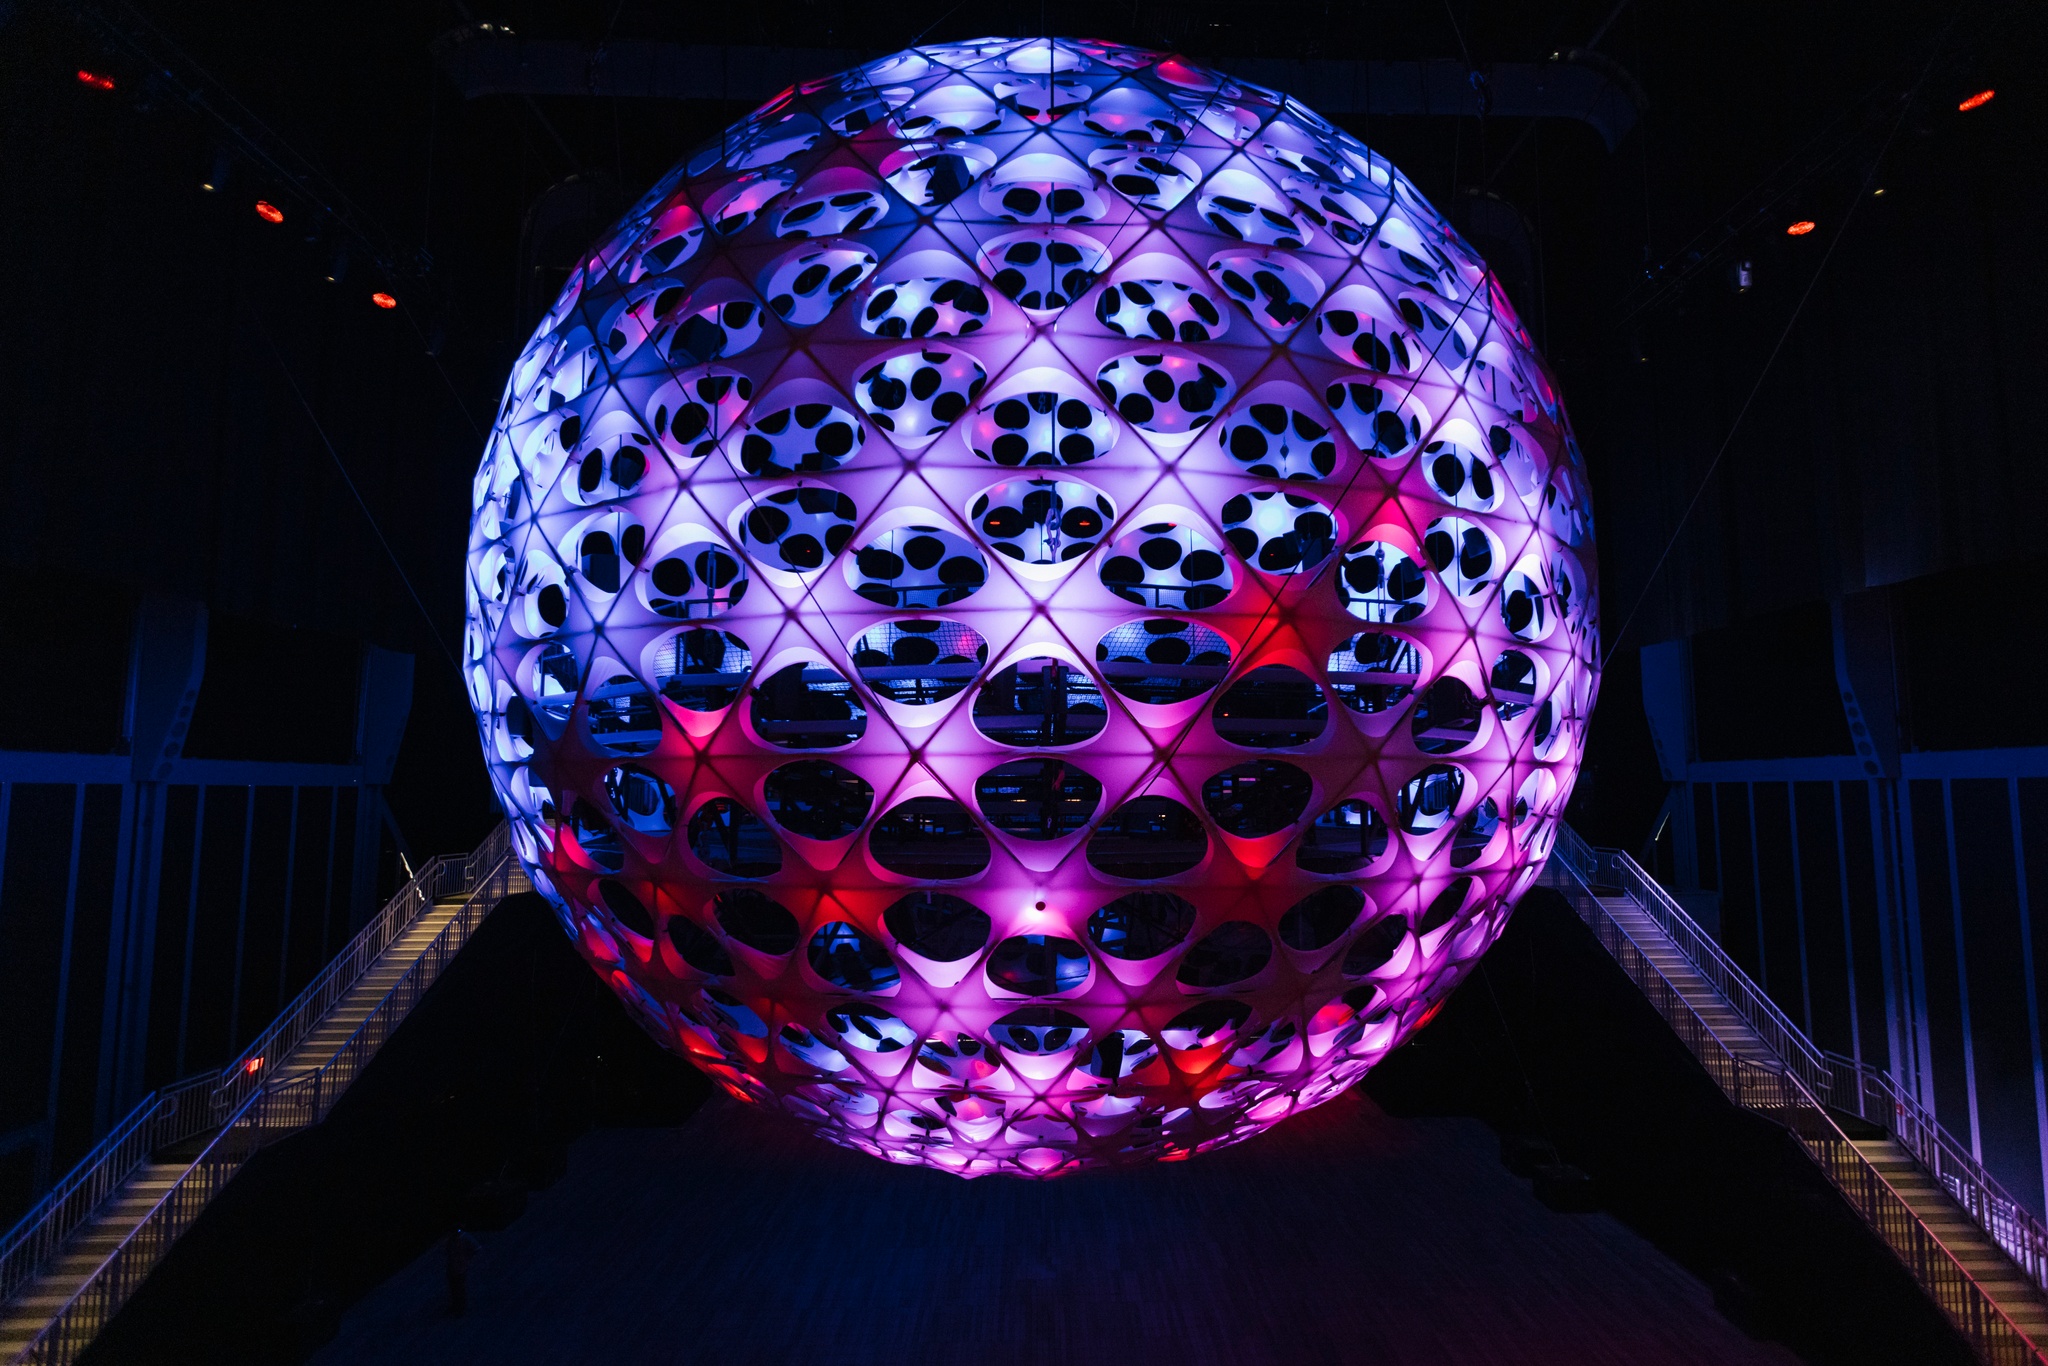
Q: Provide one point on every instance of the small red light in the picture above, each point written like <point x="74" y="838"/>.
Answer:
<point x="383" y="300"/>
<point x="269" y="212"/>
<point x="253" y="1066"/>
<point x="1976" y="101"/>
<point x="99" y="82"/>
<point x="1801" y="228"/>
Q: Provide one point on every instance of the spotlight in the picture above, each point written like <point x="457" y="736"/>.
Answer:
<point x="1877" y="193"/>
<point x="1743" y="276"/>
<point x="1976" y="101"/>
<point x="269" y="212"/>
<point x="1801" y="228"/>
<point x="383" y="300"/>
<point x="100" y="82"/>
<point x="217" y="178"/>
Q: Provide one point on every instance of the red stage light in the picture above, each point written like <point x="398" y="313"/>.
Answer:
<point x="253" y="1066"/>
<point x="1801" y="228"/>
<point x="269" y="212"/>
<point x="383" y="300"/>
<point x="1976" y="101"/>
<point x="99" y="82"/>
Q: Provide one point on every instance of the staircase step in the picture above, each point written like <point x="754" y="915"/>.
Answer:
<point x="125" y="1208"/>
<point x="2016" y="1295"/>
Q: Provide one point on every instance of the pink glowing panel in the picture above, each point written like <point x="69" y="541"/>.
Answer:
<point x="1032" y="607"/>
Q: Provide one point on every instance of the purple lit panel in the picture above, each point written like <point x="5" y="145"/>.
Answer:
<point x="1032" y="606"/>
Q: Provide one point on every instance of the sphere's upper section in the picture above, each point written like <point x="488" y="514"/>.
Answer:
<point x="1032" y="604"/>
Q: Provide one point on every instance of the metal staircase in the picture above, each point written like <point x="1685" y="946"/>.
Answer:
<point x="70" y="1264"/>
<point x="1974" y="1249"/>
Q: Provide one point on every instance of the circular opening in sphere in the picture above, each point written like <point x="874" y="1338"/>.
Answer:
<point x="1344" y="839"/>
<point x="1040" y="702"/>
<point x="1257" y="798"/>
<point x="732" y="840"/>
<point x="699" y="947"/>
<point x="1320" y="919"/>
<point x="1271" y="707"/>
<point x="1162" y="661"/>
<point x="756" y="920"/>
<point x="1038" y="799"/>
<point x="1038" y="964"/>
<point x="844" y="957"/>
<point x="1142" y="925"/>
<point x="917" y="663"/>
<point x="1148" y="837"/>
<point x="938" y="926"/>
<point x="1233" y="952"/>
<point x="929" y="837"/>
<point x="816" y="799"/>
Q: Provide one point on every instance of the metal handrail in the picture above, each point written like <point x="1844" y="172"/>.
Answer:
<point x="271" y="1111"/>
<point x="318" y="1089"/>
<point x="298" y="1020"/>
<point x="1870" y="1094"/>
<point x="1758" y="1011"/>
<point x="1867" y="1092"/>
<point x="1781" y="1093"/>
<point x="74" y="1326"/>
<point x="185" y="1108"/>
<point x="169" y="1115"/>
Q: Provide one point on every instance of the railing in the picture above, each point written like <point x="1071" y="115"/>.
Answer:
<point x="74" y="1326"/>
<point x="1866" y="1092"/>
<point x="1612" y="868"/>
<point x="167" y="1116"/>
<point x="436" y="879"/>
<point x="258" y="1116"/>
<point x="307" y="1097"/>
<point x="1872" y="1095"/>
<point x="1782" y="1094"/>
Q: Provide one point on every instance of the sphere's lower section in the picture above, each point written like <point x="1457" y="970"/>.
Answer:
<point x="1151" y="1024"/>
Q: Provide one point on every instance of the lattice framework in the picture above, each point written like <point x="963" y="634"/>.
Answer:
<point x="1032" y="605"/>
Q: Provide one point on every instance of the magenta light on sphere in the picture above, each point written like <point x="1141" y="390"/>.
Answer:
<point x="1032" y="606"/>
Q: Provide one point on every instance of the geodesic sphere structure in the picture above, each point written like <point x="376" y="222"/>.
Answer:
<point x="1032" y="606"/>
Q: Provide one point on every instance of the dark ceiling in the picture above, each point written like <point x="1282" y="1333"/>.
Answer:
<point x="193" y="406"/>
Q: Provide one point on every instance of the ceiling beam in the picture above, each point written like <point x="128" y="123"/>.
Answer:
<point x="1580" y="87"/>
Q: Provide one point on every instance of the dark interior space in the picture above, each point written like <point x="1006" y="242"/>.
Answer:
<point x="272" y="268"/>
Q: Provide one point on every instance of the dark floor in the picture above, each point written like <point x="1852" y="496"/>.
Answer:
<point x="1344" y="1235"/>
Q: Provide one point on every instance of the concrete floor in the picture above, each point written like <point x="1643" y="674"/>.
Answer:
<point x="1342" y="1236"/>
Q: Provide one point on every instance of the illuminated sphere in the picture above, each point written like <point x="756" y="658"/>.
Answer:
<point x="1032" y="606"/>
